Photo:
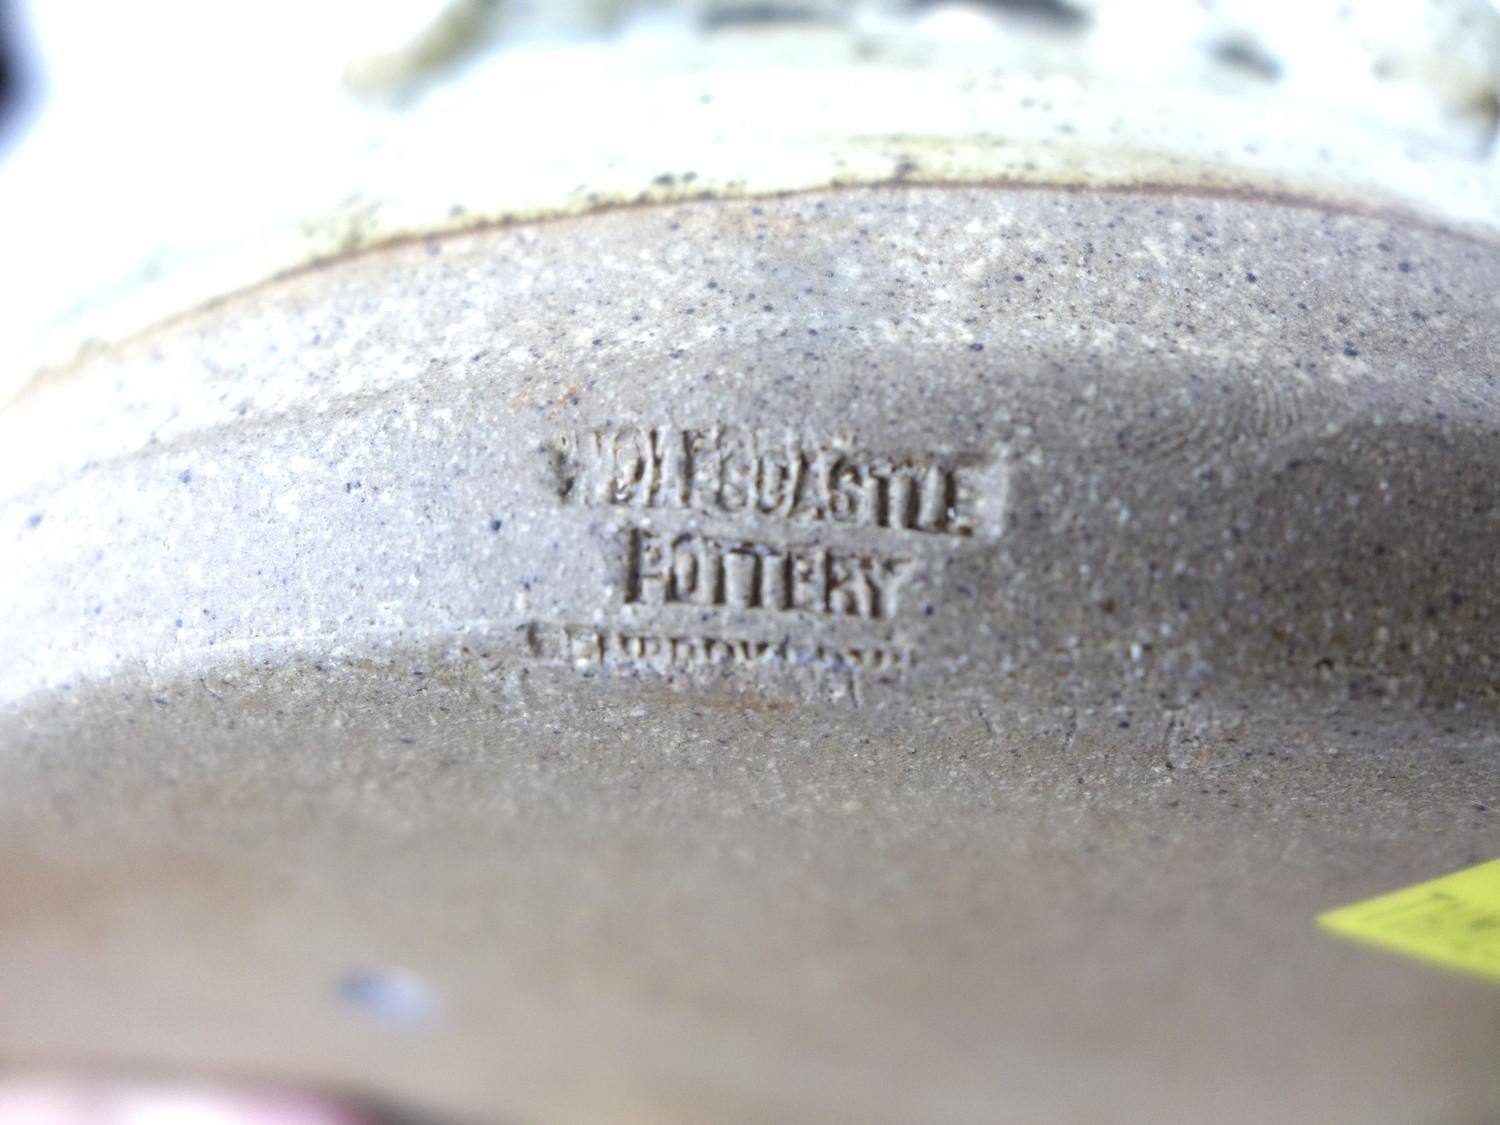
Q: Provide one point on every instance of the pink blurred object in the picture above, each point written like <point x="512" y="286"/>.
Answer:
<point x="68" y="1100"/>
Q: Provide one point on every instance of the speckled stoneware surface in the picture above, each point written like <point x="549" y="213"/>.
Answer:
<point x="923" y="442"/>
<point x="892" y="653"/>
<point x="815" y="575"/>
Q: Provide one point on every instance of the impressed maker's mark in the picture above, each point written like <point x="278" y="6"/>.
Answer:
<point x="815" y="671"/>
<point x="745" y="574"/>
<point x="813" y="547"/>
<point x="728" y="470"/>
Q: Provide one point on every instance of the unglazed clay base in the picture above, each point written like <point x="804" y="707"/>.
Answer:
<point x="892" y="653"/>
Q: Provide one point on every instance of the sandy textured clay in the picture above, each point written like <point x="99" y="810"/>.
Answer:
<point x="891" y="653"/>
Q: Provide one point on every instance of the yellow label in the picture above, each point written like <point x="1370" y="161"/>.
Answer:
<point x="1453" y="921"/>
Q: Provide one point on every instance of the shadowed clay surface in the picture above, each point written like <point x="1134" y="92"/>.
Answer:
<point x="899" y="653"/>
